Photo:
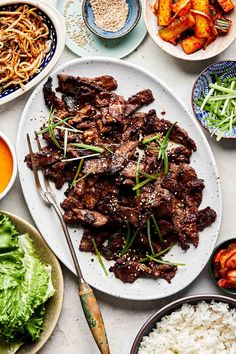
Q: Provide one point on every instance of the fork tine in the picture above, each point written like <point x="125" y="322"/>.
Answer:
<point x="47" y="185"/>
<point x="35" y="171"/>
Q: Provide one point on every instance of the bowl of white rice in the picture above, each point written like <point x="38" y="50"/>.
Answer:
<point x="198" y="324"/>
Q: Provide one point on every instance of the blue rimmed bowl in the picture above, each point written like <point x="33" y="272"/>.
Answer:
<point x="224" y="70"/>
<point x="135" y="10"/>
<point x="57" y="33"/>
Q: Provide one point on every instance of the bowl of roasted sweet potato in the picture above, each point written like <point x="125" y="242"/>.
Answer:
<point x="191" y="29"/>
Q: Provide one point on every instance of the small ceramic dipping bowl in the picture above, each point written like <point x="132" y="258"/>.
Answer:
<point x="221" y="246"/>
<point x="132" y="20"/>
<point x="8" y="165"/>
<point x="224" y="70"/>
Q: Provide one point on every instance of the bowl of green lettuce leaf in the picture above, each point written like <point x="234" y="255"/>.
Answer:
<point x="31" y="287"/>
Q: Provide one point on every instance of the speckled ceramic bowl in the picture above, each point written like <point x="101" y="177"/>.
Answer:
<point x="220" y="246"/>
<point x="166" y="310"/>
<point x="54" y="304"/>
<point x="57" y="33"/>
<point x="134" y="14"/>
<point x="224" y="69"/>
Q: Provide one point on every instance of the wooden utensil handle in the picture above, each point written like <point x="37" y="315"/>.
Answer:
<point x="94" y="317"/>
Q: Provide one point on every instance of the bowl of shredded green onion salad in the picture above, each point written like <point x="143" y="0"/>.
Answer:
<point x="214" y="99"/>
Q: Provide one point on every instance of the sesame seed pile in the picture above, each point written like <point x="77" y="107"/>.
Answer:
<point x="110" y="15"/>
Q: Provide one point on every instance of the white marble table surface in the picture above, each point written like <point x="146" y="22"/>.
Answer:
<point x="124" y="318"/>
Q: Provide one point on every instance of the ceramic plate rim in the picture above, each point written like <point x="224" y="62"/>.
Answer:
<point x="59" y="23"/>
<point x="173" y="97"/>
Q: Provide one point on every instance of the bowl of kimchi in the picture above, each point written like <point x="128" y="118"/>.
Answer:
<point x="222" y="266"/>
<point x="191" y="29"/>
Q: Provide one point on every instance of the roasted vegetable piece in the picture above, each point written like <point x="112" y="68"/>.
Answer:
<point x="231" y="261"/>
<point x="202" y="28"/>
<point x="176" y="28"/>
<point x="227" y="5"/>
<point x="155" y="8"/>
<point x="164" y="12"/>
<point x="181" y="8"/>
<point x="191" y="44"/>
<point x="230" y="281"/>
<point x="225" y="256"/>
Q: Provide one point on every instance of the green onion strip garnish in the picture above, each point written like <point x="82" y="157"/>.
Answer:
<point x="157" y="228"/>
<point x="99" y="257"/>
<point x="163" y="144"/>
<point x="129" y="239"/>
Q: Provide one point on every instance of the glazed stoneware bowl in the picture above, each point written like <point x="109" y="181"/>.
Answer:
<point x="132" y="20"/>
<point x="225" y="70"/>
<point x="166" y="310"/>
<point x="220" y="246"/>
<point x="57" y="32"/>
<point x="54" y="304"/>
<point x="215" y="48"/>
<point x="14" y="170"/>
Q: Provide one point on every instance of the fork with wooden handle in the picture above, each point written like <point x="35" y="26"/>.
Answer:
<point x="87" y="297"/>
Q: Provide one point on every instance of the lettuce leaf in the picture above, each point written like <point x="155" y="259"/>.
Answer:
<point x="8" y="234"/>
<point x="25" y="286"/>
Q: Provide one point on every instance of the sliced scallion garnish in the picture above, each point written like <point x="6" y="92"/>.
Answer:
<point x="79" y="158"/>
<point x="52" y="125"/>
<point x="149" y="236"/>
<point x="163" y="147"/>
<point x="157" y="228"/>
<point x="147" y="175"/>
<point x="88" y="147"/>
<point x="129" y="240"/>
<point x="79" y="169"/>
<point x="161" y="253"/>
<point x="164" y="262"/>
<point x="51" y="129"/>
<point x="65" y="141"/>
<point x="141" y="184"/>
<point x="137" y="174"/>
<point x="99" y="257"/>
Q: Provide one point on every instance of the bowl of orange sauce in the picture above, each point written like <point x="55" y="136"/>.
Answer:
<point x="7" y="165"/>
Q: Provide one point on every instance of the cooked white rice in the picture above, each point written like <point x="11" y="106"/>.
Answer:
<point x="205" y="328"/>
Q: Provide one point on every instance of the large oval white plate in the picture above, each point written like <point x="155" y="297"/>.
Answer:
<point x="215" y="48"/>
<point x="130" y="79"/>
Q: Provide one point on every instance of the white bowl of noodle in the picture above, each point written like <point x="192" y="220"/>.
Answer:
<point x="32" y="39"/>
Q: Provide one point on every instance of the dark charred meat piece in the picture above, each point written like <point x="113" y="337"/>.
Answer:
<point x="45" y="157"/>
<point x="205" y="218"/>
<point x="52" y="101"/>
<point x="179" y="155"/>
<point x="157" y="125"/>
<point x="112" y="107"/>
<point x="130" y="270"/>
<point x="86" y="244"/>
<point x="102" y="192"/>
<point x="96" y="166"/>
<point x="106" y="82"/>
<point x="122" y="155"/>
<point x="115" y="244"/>
<point x="86" y="217"/>
<point x="142" y="98"/>
<point x="116" y="212"/>
<point x="71" y="84"/>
